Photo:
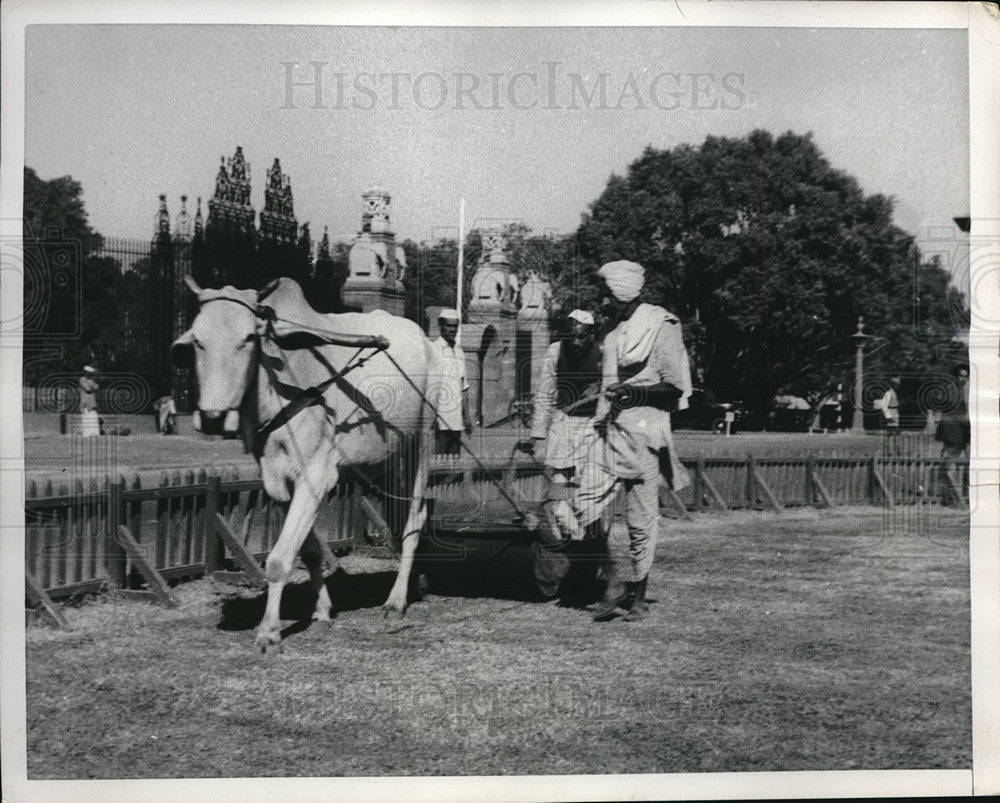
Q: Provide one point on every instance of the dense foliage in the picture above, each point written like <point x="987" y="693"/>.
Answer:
<point x="770" y="256"/>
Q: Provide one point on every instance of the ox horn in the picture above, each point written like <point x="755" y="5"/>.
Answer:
<point x="190" y="282"/>
<point x="267" y="289"/>
<point x="182" y="350"/>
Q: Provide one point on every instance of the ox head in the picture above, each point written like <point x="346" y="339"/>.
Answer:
<point x="222" y="346"/>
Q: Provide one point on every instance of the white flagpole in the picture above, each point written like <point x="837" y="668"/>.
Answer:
<point x="461" y="259"/>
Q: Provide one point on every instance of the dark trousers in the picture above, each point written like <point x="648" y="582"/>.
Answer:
<point x="448" y="441"/>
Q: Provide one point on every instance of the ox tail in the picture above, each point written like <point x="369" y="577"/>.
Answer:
<point x="419" y="460"/>
<point x="420" y="450"/>
<point x="409" y="512"/>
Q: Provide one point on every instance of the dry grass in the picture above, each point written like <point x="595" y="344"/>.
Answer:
<point x="797" y="642"/>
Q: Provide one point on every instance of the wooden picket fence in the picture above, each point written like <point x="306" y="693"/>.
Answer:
<point x="81" y="539"/>
<point x="135" y="537"/>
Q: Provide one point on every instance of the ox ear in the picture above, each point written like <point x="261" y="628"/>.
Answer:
<point x="190" y="282"/>
<point x="267" y="289"/>
<point x="182" y="350"/>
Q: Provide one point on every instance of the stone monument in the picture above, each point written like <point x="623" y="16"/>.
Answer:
<point x="490" y="334"/>
<point x="376" y="264"/>
<point x="533" y="334"/>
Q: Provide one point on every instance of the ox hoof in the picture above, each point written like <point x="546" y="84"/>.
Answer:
<point x="323" y="618"/>
<point x="268" y="638"/>
<point x="391" y="608"/>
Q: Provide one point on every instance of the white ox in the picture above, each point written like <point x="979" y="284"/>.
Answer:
<point x="251" y="365"/>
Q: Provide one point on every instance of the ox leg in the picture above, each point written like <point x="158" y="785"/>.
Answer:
<point x="312" y="557"/>
<point x="415" y="520"/>
<point x="309" y="491"/>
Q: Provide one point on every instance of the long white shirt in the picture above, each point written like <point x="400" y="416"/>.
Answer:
<point x="889" y="405"/>
<point x="448" y="376"/>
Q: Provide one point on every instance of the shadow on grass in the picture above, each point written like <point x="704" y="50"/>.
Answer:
<point x="348" y="592"/>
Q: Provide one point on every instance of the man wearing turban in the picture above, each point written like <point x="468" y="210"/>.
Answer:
<point x="646" y="374"/>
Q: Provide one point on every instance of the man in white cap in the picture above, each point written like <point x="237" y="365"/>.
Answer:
<point x="452" y="388"/>
<point x="87" y="386"/>
<point x="646" y="374"/>
<point x="565" y="404"/>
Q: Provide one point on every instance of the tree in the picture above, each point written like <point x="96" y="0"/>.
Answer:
<point x="325" y="289"/>
<point x="70" y="286"/>
<point x="431" y="277"/>
<point x="770" y="255"/>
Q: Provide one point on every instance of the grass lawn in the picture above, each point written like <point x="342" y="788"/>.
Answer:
<point x="806" y="641"/>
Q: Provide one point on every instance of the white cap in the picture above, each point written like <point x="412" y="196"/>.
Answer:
<point x="89" y="369"/>
<point x="581" y="316"/>
<point x="448" y="315"/>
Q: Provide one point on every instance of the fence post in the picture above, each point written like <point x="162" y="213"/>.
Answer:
<point x="699" y="484"/>
<point x="114" y="554"/>
<point x="212" y="556"/>
<point x="810" y="473"/>
<point x="751" y="481"/>
<point x="135" y="517"/>
<point x="872" y="487"/>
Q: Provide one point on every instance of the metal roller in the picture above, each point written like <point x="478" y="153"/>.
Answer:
<point x="478" y="551"/>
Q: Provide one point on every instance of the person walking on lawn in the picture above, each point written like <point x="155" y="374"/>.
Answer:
<point x="646" y="375"/>
<point x="955" y="433"/>
<point x="563" y="416"/>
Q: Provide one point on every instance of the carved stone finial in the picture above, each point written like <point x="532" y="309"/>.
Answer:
<point x="494" y="247"/>
<point x="375" y="213"/>
<point x="182" y="223"/>
<point x="163" y="218"/>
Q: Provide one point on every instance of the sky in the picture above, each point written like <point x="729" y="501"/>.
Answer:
<point x="510" y="119"/>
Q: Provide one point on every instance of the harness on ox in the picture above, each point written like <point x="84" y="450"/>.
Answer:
<point x="307" y="397"/>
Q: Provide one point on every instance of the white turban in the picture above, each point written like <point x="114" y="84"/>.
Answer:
<point x="581" y="316"/>
<point x="624" y="279"/>
<point x="449" y="315"/>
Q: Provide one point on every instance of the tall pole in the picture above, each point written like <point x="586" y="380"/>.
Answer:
<point x="860" y="337"/>
<point x="461" y="257"/>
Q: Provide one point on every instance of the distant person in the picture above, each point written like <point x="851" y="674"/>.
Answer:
<point x="88" y="387"/>
<point x="829" y="414"/>
<point x="955" y="433"/>
<point x="452" y="389"/>
<point x="166" y="415"/>
<point x="563" y="417"/>
<point x="889" y="407"/>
